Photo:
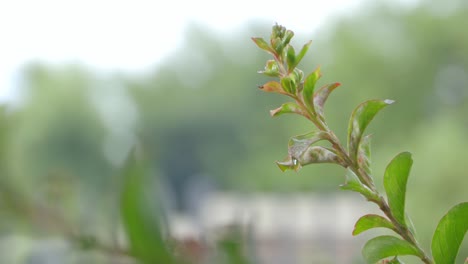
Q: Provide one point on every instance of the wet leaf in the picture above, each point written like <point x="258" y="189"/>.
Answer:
<point x="395" y="179"/>
<point x="287" y="108"/>
<point x="371" y="221"/>
<point x="301" y="152"/>
<point x="386" y="246"/>
<point x="360" y="119"/>
<point x="297" y="148"/>
<point x="449" y="234"/>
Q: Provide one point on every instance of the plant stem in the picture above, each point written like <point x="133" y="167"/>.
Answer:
<point x="366" y="179"/>
<point x="363" y="176"/>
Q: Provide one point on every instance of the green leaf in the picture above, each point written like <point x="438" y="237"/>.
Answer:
<point x="309" y="86"/>
<point x="261" y="43"/>
<point x="364" y="154"/>
<point x="290" y="57"/>
<point x="352" y="184"/>
<point x="142" y="228"/>
<point x="288" y="84"/>
<point x="395" y="179"/>
<point x="287" y="108"/>
<point x="386" y="246"/>
<point x="371" y="221"/>
<point x="360" y="119"/>
<point x="449" y="234"/>
<point x="302" y="53"/>
<point x="321" y="96"/>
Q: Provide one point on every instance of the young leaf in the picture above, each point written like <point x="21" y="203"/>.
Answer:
<point x="261" y="43"/>
<point x="352" y="184"/>
<point x="302" y="53"/>
<point x="395" y="179"/>
<point x="291" y="57"/>
<point x="271" y="69"/>
<point x="142" y="229"/>
<point x="386" y="246"/>
<point x="287" y="108"/>
<point x="288" y="84"/>
<point x="309" y="86"/>
<point x="449" y="234"/>
<point x="272" y="87"/>
<point x="364" y="154"/>
<point x="371" y="221"/>
<point x="360" y="119"/>
<point x="321" y="96"/>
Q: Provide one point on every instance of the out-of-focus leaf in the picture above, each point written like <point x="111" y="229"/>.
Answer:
<point x="309" y="86"/>
<point x="371" y="221"/>
<point x="302" y="53"/>
<point x="287" y="108"/>
<point x="410" y="225"/>
<point x="321" y="96"/>
<point x="278" y="45"/>
<point x="364" y="154"/>
<point x="449" y="234"/>
<point x="395" y="179"/>
<point x="353" y="184"/>
<point x="233" y="246"/>
<point x="360" y="119"/>
<point x="290" y="57"/>
<point x="273" y="87"/>
<point x="386" y="246"/>
<point x="395" y="260"/>
<point x="142" y="228"/>
<point x="288" y="35"/>
<point x="261" y="43"/>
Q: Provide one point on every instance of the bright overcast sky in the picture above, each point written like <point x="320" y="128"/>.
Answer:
<point x="131" y="35"/>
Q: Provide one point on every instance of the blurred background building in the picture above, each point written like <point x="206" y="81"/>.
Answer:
<point x="83" y="82"/>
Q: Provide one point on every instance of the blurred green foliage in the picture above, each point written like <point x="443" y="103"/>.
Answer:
<point x="199" y="114"/>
